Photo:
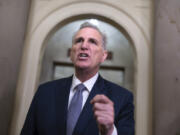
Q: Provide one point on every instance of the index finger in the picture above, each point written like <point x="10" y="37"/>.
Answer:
<point x="100" y="98"/>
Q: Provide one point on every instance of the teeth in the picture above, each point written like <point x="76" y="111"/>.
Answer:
<point x="83" y="55"/>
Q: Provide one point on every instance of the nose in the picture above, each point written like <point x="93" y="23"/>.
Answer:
<point x="84" y="45"/>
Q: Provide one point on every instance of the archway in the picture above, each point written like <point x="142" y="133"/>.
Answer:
<point x="34" y="49"/>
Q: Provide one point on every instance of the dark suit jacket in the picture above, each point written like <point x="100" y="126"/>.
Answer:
<point x="48" y="111"/>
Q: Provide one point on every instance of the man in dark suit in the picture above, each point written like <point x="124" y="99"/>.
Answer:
<point x="106" y="108"/>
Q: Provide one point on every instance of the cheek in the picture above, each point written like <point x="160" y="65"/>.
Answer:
<point x="98" y="53"/>
<point x="100" y="56"/>
<point x="73" y="53"/>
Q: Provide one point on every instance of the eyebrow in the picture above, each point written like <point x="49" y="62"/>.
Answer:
<point x="78" y="39"/>
<point x="94" y="40"/>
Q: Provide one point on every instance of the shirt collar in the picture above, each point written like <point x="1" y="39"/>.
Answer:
<point x="88" y="84"/>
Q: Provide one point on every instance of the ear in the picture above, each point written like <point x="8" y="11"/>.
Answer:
<point x="105" y="54"/>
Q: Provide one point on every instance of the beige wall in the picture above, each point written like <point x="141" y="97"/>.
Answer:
<point x="13" y="18"/>
<point x="167" y="68"/>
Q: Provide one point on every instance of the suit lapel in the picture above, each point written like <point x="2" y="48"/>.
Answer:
<point x="87" y="114"/>
<point x="61" y="100"/>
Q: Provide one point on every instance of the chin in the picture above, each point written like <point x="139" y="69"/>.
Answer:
<point x="82" y="67"/>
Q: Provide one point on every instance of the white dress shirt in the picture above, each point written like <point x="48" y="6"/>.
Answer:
<point x="88" y="84"/>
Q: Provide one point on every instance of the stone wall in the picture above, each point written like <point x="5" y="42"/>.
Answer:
<point x="13" y="19"/>
<point x="167" y="68"/>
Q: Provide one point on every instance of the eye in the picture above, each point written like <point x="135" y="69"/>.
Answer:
<point x="93" y="41"/>
<point x="78" y="40"/>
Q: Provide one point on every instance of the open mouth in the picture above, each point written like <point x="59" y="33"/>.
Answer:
<point x="83" y="55"/>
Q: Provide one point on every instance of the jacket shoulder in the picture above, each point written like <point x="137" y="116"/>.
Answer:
<point x="116" y="89"/>
<point x="51" y="86"/>
<point x="55" y="82"/>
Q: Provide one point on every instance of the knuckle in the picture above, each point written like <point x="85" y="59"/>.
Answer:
<point x="111" y="102"/>
<point x="96" y="113"/>
<point x="96" y="105"/>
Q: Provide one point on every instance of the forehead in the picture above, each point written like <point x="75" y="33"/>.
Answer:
<point x="88" y="33"/>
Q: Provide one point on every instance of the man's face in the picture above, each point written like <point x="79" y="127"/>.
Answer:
<point x="87" y="51"/>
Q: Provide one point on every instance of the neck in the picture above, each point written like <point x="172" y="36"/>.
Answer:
<point x="84" y="75"/>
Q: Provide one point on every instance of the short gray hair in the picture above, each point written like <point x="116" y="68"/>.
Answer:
<point x="90" y="25"/>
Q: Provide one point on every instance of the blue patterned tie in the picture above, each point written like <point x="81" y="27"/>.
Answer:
<point x="75" y="108"/>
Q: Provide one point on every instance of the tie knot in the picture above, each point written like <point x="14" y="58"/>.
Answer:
<point x="80" y="87"/>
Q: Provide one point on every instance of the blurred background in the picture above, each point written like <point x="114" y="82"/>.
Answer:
<point x="120" y="66"/>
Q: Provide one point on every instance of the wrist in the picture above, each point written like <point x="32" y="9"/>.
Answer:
<point x="107" y="131"/>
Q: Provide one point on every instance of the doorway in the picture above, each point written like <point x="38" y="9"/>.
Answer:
<point x="119" y="66"/>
